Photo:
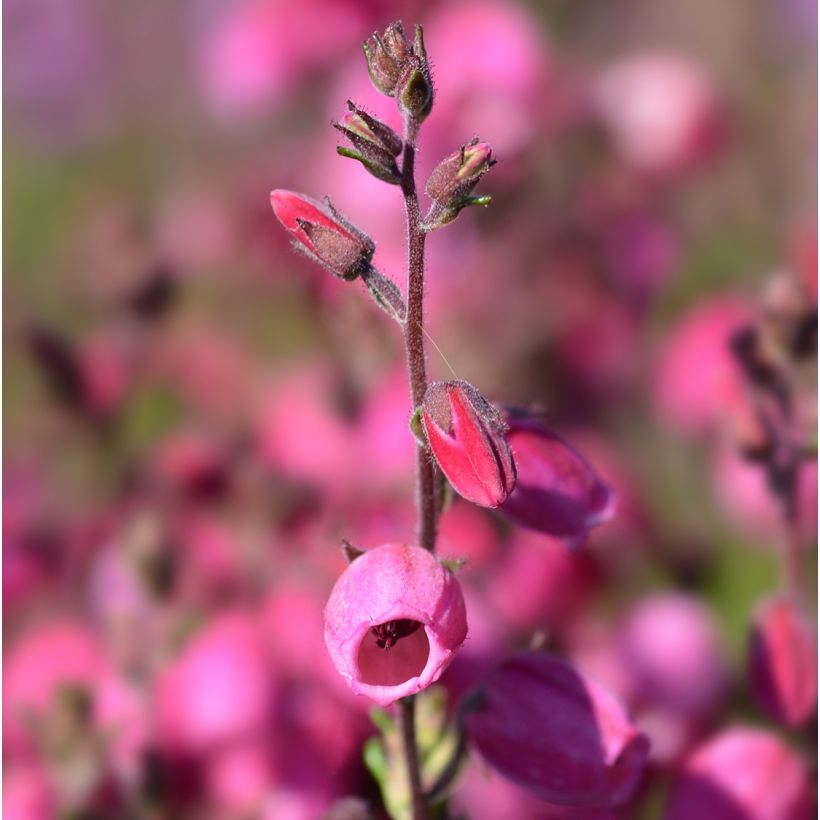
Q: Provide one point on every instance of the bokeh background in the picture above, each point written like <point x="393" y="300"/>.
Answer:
<point x="195" y="416"/>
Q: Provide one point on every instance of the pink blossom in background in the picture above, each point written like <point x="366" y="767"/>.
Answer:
<point x="697" y="383"/>
<point x="256" y="52"/>
<point x="28" y="793"/>
<point x="419" y="608"/>
<point x="558" y="735"/>
<point x="741" y="488"/>
<point x="40" y="664"/>
<point x="782" y="661"/>
<point x="741" y="773"/>
<point x="671" y="650"/>
<point x="661" y="110"/>
<point x="219" y="689"/>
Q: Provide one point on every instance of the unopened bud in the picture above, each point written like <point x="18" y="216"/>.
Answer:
<point x="451" y="184"/>
<point x="400" y="69"/>
<point x="375" y="144"/>
<point x="323" y="234"/>
<point x="467" y="437"/>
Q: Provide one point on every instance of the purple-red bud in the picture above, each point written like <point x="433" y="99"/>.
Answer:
<point x="557" y="491"/>
<point x="376" y="145"/>
<point x="400" y="69"/>
<point x="323" y="234"/>
<point x="467" y="437"/>
<point x="453" y="180"/>
<point x="394" y="621"/>
<point x="783" y="662"/>
<point x="556" y="734"/>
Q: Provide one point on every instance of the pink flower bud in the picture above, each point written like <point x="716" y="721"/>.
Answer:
<point x="557" y="491"/>
<point x="565" y="739"/>
<point x="741" y="773"/>
<point x="394" y="621"/>
<point x="783" y="661"/>
<point x="322" y="234"/>
<point x="466" y="435"/>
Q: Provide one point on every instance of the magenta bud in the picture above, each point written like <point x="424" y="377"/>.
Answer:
<point x="741" y="774"/>
<point x="466" y="434"/>
<point x="375" y="144"/>
<point x="322" y="234"/>
<point x="558" y="735"/>
<point x="782" y="663"/>
<point x="394" y="621"/>
<point x="557" y="491"/>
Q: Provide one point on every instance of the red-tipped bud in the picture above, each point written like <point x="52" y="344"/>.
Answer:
<point x="323" y="234"/>
<point x="466" y="435"/>
<point x="562" y="737"/>
<point x="400" y="69"/>
<point x="375" y="145"/>
<point x="557" y="491"/>
<point x="451" y="184"/>
<point x="783" y="662"/>
<point x="394" y="621"/>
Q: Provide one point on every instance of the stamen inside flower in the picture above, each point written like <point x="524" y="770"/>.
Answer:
<point x="393" y="652"/>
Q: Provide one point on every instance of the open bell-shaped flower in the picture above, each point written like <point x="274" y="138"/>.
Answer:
<point x="542" y="725"/>
<point x="394" y="621"/>
<point x="323" y="234"/>
<point x="557" y="491"/>
<point x="467" y="437"/>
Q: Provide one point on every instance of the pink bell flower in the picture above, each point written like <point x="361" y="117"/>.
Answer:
<point x="323" y="234"/>
<point x="741" y="773"/>
<point x="782" y="662"/>
<point x="557" y="491"/>
<point x="466" y="435"/>
<point x="394" y="621"/>
<point x="563" y="738"/>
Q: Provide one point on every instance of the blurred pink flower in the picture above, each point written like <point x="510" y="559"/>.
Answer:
<point x="561" y="737"/>
<point x="741" y="488"/>
<point x="661" y="110"/>
<point x="256" y="52"/>
<point x="28" y="793"/>
<point x="741" y="773"/>
<point x="219" y="689"/>
<point x="393" y="622"/>
<point x="670" y="648"/>
<point x="697" y="382"/>
<point x="782" y="662"/>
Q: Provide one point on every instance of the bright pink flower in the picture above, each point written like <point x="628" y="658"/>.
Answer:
<point x="394" y="621"/>
<point x="741" y="773"/>
<point x="783" y="661"/>
<point x="661" y="110"/>
<point x="565" y="739"/>
<point x="323" y="234"/>
<point x="466" y="435"/>
<point x="557" y="491"/>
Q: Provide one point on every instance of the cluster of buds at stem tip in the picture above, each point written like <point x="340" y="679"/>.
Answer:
<point x="467" y="437"/>
<point x="451" y="184"/>
<point x="321" y="233"/>
<point x="375" y="144"/>
<point x="399" y="68"/>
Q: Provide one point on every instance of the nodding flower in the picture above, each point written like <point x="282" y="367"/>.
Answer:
<point x="394" y="621"/>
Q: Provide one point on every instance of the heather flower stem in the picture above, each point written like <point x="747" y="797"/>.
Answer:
<point x="408" y="730"/>
<point x="417" y="373"/>
<point x="414" y="336"/>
